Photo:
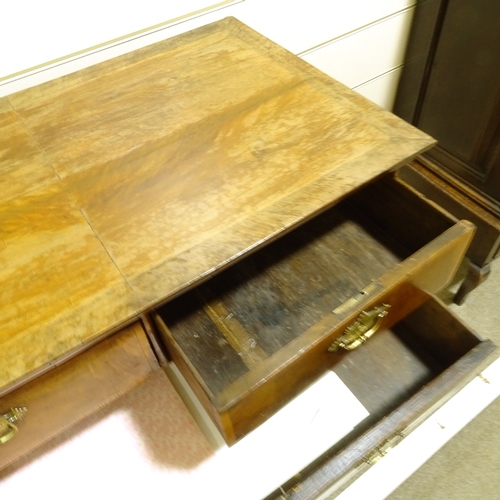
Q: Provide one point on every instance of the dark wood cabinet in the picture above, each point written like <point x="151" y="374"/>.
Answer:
<point x="450" y="88"/>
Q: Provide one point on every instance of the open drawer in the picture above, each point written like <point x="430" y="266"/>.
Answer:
<point x="253" y="336"/>
<point x="401" y="377"/>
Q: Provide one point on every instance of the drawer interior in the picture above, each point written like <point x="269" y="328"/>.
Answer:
<point x="399" y="361"/>
<point x="241" y="318"/>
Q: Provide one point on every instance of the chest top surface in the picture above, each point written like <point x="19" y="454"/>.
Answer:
<point x="127" y="182"/>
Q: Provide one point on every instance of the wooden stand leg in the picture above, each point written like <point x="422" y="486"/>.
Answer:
<point x="475" y="276"/>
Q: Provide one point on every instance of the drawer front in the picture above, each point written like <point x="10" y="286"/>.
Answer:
<point x="255" y="396"/>
<point x="77" y="388"/>
<point x="252" y="337"/>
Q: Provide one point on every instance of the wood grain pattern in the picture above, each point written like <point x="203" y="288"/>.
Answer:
<point x="279" y="292"/>
<point x="241" y="341"/>
<point x="215" y="174"/>
<point x="256" y="395"/>
<point x="290" y="299"/>
<point x="425" y="176"/>
<point x="170" y="163"/>
<point x="209" y="354"/>
<point x="59" y="286"/>
<point x="74" y="390"/>
<point x="23" y="166"/>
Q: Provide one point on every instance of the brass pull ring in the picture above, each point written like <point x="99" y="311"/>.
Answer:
<point x="367" y="324"/>
<point x="7" y="428"/>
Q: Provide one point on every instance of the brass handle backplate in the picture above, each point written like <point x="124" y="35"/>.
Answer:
<point x="7" y="428"/>
<point x="367" y="323"/>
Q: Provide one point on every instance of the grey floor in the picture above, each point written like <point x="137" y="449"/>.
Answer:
<point x="468" y="466"/>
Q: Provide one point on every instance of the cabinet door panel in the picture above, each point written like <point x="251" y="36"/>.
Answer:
<point x="463" y="112"/>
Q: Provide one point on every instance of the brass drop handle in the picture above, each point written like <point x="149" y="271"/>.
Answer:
<point x="7" y="428"/>
<point x="367" y="323"/>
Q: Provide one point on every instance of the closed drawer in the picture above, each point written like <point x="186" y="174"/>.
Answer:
<point x="253" y="336"/>
<point x="77" y="388"/>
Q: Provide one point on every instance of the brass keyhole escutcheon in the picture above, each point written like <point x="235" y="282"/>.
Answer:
<point x="366" y="325"/>
<point x="7" y="427"/>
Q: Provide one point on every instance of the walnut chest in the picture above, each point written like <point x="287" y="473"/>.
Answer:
<point x="214" y="201"/>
